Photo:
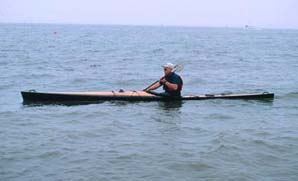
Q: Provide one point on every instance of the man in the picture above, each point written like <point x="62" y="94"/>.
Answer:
<point x="171" y="82"/>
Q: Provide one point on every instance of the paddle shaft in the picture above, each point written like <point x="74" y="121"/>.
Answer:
<point x="150" y="85"/>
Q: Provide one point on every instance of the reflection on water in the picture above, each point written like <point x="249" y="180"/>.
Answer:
<point x="165" y="105"/>
<point x="64" y="103"/>
<point x="268" y="102"/>
<point x="170" y="105"/>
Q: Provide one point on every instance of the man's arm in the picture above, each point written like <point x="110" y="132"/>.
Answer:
<point x="171" y="86"/>
<point x="154" y="86"/>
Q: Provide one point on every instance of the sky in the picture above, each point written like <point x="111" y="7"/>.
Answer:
<point x="218" y="13"/>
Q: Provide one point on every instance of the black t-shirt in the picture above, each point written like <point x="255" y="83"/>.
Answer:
<point x="174" y="79"/>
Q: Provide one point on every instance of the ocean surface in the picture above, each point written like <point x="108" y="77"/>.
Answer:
<point x="189" y="141"/>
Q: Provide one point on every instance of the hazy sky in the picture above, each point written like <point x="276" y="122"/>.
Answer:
<point x="260" y="13"/>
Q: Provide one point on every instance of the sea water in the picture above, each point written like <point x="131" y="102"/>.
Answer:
<point x="191" y="140"/>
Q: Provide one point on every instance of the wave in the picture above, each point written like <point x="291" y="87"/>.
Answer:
<point x="11" y="50"/>
<point x="290" y="95"/>
<point x="220" y="116"/>
<point x="158" y="50"/>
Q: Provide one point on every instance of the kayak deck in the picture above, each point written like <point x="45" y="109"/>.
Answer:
<point x="63" y="97"/>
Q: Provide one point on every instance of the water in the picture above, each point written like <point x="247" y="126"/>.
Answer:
<point x="193" y="140"/>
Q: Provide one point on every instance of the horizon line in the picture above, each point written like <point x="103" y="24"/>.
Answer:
<point x="244" y="26"/>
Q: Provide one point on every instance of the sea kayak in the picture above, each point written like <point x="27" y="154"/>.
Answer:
<point x="81" y="97"/>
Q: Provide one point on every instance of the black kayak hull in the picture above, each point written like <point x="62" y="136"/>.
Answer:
<point x="87" y="97"/>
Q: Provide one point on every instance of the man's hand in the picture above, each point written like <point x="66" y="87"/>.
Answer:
<point x="162" y="81"/>
<point x="169" y="85"/>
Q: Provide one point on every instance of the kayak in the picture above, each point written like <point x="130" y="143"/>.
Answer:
<point x="81" y="97"/>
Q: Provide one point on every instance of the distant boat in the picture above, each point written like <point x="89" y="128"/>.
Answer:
<point x="248" y="27"/>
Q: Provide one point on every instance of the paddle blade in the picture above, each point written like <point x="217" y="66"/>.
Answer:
<point x="178" y="68"/>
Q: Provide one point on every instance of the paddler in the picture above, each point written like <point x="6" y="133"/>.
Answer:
<point x="172" y="83"/>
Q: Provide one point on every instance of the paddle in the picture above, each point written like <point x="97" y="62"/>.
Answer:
<point x="177" y="68"/>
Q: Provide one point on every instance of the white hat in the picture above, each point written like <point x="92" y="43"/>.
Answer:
<point x="169" y="65"/>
